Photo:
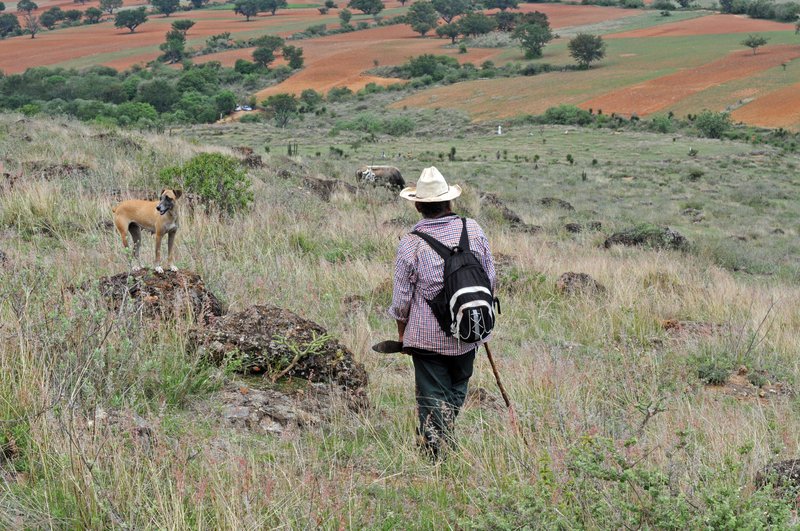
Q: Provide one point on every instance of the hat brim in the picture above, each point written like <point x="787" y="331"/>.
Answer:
<point x="410" y="193"/>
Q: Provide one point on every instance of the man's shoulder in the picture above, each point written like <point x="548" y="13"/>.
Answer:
<point x="474" y="228"/>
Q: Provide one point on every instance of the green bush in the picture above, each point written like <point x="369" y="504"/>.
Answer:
<point x="567" y="115"/>
<point x="712" y="124"/>
<point x="217" y="178"/>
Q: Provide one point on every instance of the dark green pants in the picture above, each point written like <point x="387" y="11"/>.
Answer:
<point x="441" y="387"/>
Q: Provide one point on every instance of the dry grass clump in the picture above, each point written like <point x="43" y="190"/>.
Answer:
<point x="619" y="427"/>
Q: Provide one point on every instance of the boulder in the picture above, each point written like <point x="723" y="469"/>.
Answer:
<point x="553" y="202"/>
<point x="578" y="283"/>
<point x="248" y="157"/>
<point x="649" y="236"/>
<point x="324" y="188"/>
<point x="783" y="474"/>
<point x="278" y="343"/>
<point x="512" y="218"/>
<point x="170" y="294"/>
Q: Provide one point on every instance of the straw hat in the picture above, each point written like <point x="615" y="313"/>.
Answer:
<point x="431" y="188"/>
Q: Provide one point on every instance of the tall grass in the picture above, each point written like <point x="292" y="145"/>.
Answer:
<point x="609" y="402"/>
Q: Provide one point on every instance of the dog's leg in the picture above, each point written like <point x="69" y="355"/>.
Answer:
<point x="158" y="267"/>
<point x="136" y="235"/>
<point x="170" y="255"/>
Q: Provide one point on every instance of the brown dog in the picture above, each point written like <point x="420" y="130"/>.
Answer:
<point x="159" y="217"/>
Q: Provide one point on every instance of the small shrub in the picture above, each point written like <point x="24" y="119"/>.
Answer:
<point x="217" y="178"/>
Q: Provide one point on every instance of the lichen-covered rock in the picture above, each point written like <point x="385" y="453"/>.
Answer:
<point x="555" y="202"/>
<point x="573" y="283"/>
<point x="277" y="343"/>
<point x="170" y="294"/>
<point x="492" y="201"/>
<point x="649" y="236"/>
<point x="324" y="188"/>
<point x="785" y="474"/>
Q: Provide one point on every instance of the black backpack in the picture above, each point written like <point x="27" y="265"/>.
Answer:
<point x="465" y="306"/>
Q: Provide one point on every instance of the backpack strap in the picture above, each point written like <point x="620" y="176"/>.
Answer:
<point x="463" y="243"/>
<point x="440" y="248"/>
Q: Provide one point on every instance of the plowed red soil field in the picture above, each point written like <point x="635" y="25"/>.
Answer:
<point x="710" y="25"/>
<point x="657" y="94"/>
<point x="62" y="45"/>
<point x="780" y="108"/>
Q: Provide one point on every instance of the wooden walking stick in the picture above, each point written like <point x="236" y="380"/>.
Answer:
<point x="512" y="415"/>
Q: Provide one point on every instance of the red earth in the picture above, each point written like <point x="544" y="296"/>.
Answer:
<point x="659" y="93"/>
<point x="709" y="25"/>
<point x="780" y="108"/>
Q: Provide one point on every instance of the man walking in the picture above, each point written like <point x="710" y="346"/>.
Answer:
<point x="442" y="363"/>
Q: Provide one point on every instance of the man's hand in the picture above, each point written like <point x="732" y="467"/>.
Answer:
<point x="401" y="329"/>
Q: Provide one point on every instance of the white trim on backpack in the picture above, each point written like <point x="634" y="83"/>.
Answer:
<point x="467" y="306"/>
<point x="466" y="291"/>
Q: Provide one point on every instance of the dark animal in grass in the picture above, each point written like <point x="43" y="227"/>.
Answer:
<point x="387" y="176"/>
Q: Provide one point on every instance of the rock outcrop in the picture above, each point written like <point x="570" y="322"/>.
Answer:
<point x="649" y="236"/>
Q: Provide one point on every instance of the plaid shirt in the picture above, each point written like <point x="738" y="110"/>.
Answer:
<point x="418" y="276"/>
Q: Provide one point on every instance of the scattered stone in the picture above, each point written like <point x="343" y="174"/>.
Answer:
<point x="3" y="258"/>
<point x="783" y="474"/>
<point x="649" y="236"/>
<point x="778" y="231"/>
<point x="692" y="329"/>
<point x="508" y="215"/>
<point x="578" y="283"/>
<point x="696" y="215"/>
<point x="277" y="343"/>
<point x="249" y="157"/>
<point x="270" y="411"/>
<point x="49" y="172"/>
<point x="115" y="140"/>
<point x="324" y="188"/>
<point x="573" y="228"/>
<point x="553" y="202"/>
<point x="170" y="294"/>
<point x="740" y="386"/>
<point x="479" y="397"/>
<point x="124" y="421"/>
<point x="288" y="168"/>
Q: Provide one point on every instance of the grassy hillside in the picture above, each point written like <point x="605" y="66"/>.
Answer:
<point x="621" y="429"/>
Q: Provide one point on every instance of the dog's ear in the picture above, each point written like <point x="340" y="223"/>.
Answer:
<point x="178" y="193"/>
<point x="161" y="193"/>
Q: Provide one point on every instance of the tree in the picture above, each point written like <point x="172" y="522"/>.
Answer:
<point x="533" y="39"/>
<point x="450" y="9"/>
<point x="73" y="15"/>
<point x="130" y="18"/>
<point x="263" y="56"/>
<point x="183" y="26"/>
<point x="31" y="23"/>
<point x="712" y="124"/>
<point x="475" y="24"/>
<point x="166" y="7"/>
<point x="330" y="4"/>
<point x="272" y="5"/>
<point x="2" y="7"/>
<point x="26" y="6"/>
<point x="159" y="93"/>
<point x="48" y="20"/>
<point x="198" y="4"/>
<point x="754" y="41"/>
<point x="174" y="47"/>
<point x="92" y="15"/>
<point x="368" y="7"/>
<point x="422" y="17"/>
<point x="294" y="56"/>
<point x="451" y="30"/>
<point x="57" y="13"/>
<point x="344" y="16"/>
<point x="506" y="20"/>
<point x="502" y="5"/>
<point x="797" y="27"/>
<point x="110" y="5"/>
<point x="282" y="107"/>
<point x="273" y="42"/>
<point x="8" y="24"/>
<point x="537" y="17"/>
<point x="586" y="49"/>
<point x="248" y="8"/>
